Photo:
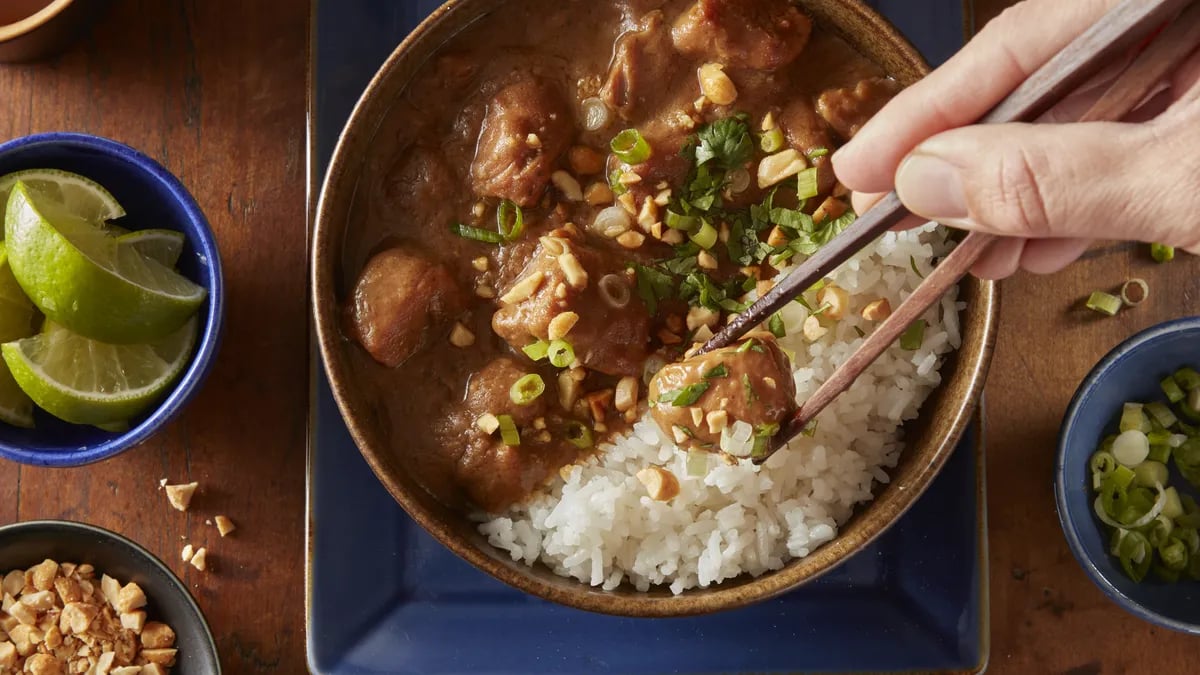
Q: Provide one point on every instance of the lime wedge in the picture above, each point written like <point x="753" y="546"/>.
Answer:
<point x="161" y="246"/>
<point x="16" y="321"/>
<point x="88" y="382"/>
<point x="80" y="195"/>
<point x="79" y="276"/>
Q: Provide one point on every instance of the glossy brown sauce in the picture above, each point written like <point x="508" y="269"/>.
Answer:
<point x="417" y="182"/>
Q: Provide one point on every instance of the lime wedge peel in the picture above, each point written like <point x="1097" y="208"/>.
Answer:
<point x="161" y="246"/>
<point x="87" y="382"/>
<point x="79" y="194"/>
<point x="80" y="277"/>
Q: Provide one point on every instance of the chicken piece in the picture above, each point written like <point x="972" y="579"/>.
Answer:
<point x="759" y="35"/>
<point x="399" y="300"/>
<point x="695" y="399"/>
<point x="526" y="129"/>
<point x="807" y="131"/>
<point x="643" y="60"/>
<point x="488" y="393"/>
<point x="848" y="109"/>
<point x="566" y="277"/>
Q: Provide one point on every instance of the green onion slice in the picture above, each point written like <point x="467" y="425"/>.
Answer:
<point x="678" y="221"/>
<point x="537" y="350"/>
<point x="697" y="463"/>
<point x="561" y="353"/>
<point x="477" y="234"/>
<point x="527" y="389"/>
<point x="771" y="141"/>
<point x="913" y="337"/>
<point x="775" y="325"/>
<point x="1187" y="378"/>
<point x="1160" y="413"/>
<point x="1171" y="388"/>
<point x="510" y="221"/>
<point x="1162" y="253"/>
<point x="705" y="237"/>
<point x="718" y="370"/>
<point x="745" y="346"/>
<point x="806" y="184"/>
<point x="508" y="430"/>
<point x="1104" y="303"/>
<point x="1134" y="292"/>
<point x="817" y="153"/>
<point x="579" y="435"/>
<point x="630" y="147"/>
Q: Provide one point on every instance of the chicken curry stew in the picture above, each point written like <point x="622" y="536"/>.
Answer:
<point x="559" y="211"/>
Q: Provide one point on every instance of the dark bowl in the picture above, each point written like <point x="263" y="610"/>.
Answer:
<point x="1130" y="372"/>
<point x="153" y="198"/>
<point x="23" y="545"/>
<point x="930" y="439"/>
<point x="49" y="30"/>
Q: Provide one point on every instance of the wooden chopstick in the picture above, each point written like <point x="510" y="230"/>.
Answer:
<point x="1121" y="29"/>
<point x="1161" y="57"/>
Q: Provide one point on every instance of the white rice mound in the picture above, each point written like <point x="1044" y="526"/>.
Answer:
<point x="598" y="525"/>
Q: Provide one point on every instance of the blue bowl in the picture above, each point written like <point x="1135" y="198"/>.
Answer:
<point x="152" y="197"/>
<point x="1130" y="372"/>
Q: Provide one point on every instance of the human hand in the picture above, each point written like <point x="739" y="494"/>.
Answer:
<point x="1048" y="188"/>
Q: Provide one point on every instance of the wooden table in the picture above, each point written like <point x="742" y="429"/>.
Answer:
<point x="218" y="96"/>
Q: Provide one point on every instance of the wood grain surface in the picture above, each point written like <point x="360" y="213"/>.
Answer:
<point x="1047" y="616"/>
<point x="216" y="92"/>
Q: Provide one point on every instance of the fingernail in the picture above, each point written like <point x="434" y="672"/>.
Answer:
<point x="932" y="188"/>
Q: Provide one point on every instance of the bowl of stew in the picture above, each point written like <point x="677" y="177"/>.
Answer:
<point x="535" y="214"/>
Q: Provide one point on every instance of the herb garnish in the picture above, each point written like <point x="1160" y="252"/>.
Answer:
<point x="751" y="397"/>
<point x="685" y="396"/>
<point x="718" y="370"/>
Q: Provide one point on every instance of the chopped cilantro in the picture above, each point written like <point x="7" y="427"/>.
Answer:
<point x="685" y="396"/>
<point x="652" y="286"/>
<point x="775" y="325"/>
<point x="766" y="430"/>
<point x="745" y="346"/>
<point x="751" y="397"/>
<point x="718" y="370"/>
<point x="726" y="143"/>
<point x="792" y="219"/>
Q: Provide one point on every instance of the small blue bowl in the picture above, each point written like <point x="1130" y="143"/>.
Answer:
<point x="153" y="198"/>
<point x="1130" y="372"/>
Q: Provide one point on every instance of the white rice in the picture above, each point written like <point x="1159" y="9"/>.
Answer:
<point x="600" y="527"/>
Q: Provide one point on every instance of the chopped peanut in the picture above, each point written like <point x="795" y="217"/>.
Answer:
<point x="668" y="338"/>
<point x="661" y="485"/>
<point x="488" y="423"/>
<point x="186" y="554"/>
<point x="813" y="330"/>
<point x="523" y="289"/>
<point x="777" y="237"/>
<point x="648" y="215"/>
<point x="597" y="402"/>
<point x="626" y="394"/>
<point x="717" y="421"/>
<point x="77" y="617"/>
<point x="836" y="298"/>
<point x="181" y="495"/>
<point x="829" y="209"/>
<point x="701" y="316"/>
<point x="770" y="382"/>
<point x="461" y="336"/>
<point x="157" y="635"/>
<point x="131" y="596"/>
<point x="43" y="575"/>
<point x="631" y="240"/>
<point x="134" y="620"/>
<point x="574" y="272"/>
<point x="774" y="169"/>
<point x="598" y="194"/>
<point x="484" y="291"/>
<point x="480" y="263"/>
<point x="716" y="85"/>
<point x="567" y="185"/>
<point x="224" y="525"/>
<point x="768" y="121"/>
<point x="561" y="325"/>
<point x="672" y="236"/>
<point x="200" y="560"/>
<point x="707" y="260"/>
<point x="877" y="310"/>
<point x="680" y="434"/>
<point x="629" y="178"/>
<point x="585" y="161"/>
<point x="533" y="141"/>
<point x="627" y="202"/>
<point x="764" y="286"/>
<point x="568" y="390"/>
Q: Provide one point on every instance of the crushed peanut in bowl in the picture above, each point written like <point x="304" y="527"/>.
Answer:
<point x="63" y="618"/>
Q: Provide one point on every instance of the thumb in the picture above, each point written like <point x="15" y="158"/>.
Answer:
<point x="1095" y="180"/>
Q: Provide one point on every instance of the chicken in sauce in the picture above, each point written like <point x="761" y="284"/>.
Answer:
<point x="568" y="200"/>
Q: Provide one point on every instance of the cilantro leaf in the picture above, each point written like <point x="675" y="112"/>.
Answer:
<point x="652" y="286"/>
<point x="727" y="143"/>
<point x="718" y="370"/>
<point x="685" y="396"/>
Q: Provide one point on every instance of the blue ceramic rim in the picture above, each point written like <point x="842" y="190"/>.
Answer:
<point x="1069" y="527"/>
<point x="138" y="550"/>
<point x="210" y="337"/>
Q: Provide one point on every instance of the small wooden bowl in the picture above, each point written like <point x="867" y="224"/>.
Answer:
<point x="930" y="439"/>
<point x="48" y="31"/>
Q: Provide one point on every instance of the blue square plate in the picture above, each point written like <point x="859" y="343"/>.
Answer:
<point x="385" y="597"/>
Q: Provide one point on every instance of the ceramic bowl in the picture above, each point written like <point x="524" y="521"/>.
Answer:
<point x="153" y="198"/>
<point x="48" y="30"/>
<point x="23" y="545"/>
<point x="1130" y="372"/>
<point x="931" y="439"/>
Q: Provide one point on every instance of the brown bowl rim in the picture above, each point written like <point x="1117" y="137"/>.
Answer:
<point x="43" y="16"/>
<point x="719" y="597"/>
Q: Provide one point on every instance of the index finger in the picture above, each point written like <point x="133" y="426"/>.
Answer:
<point x="1004" y="54"/>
